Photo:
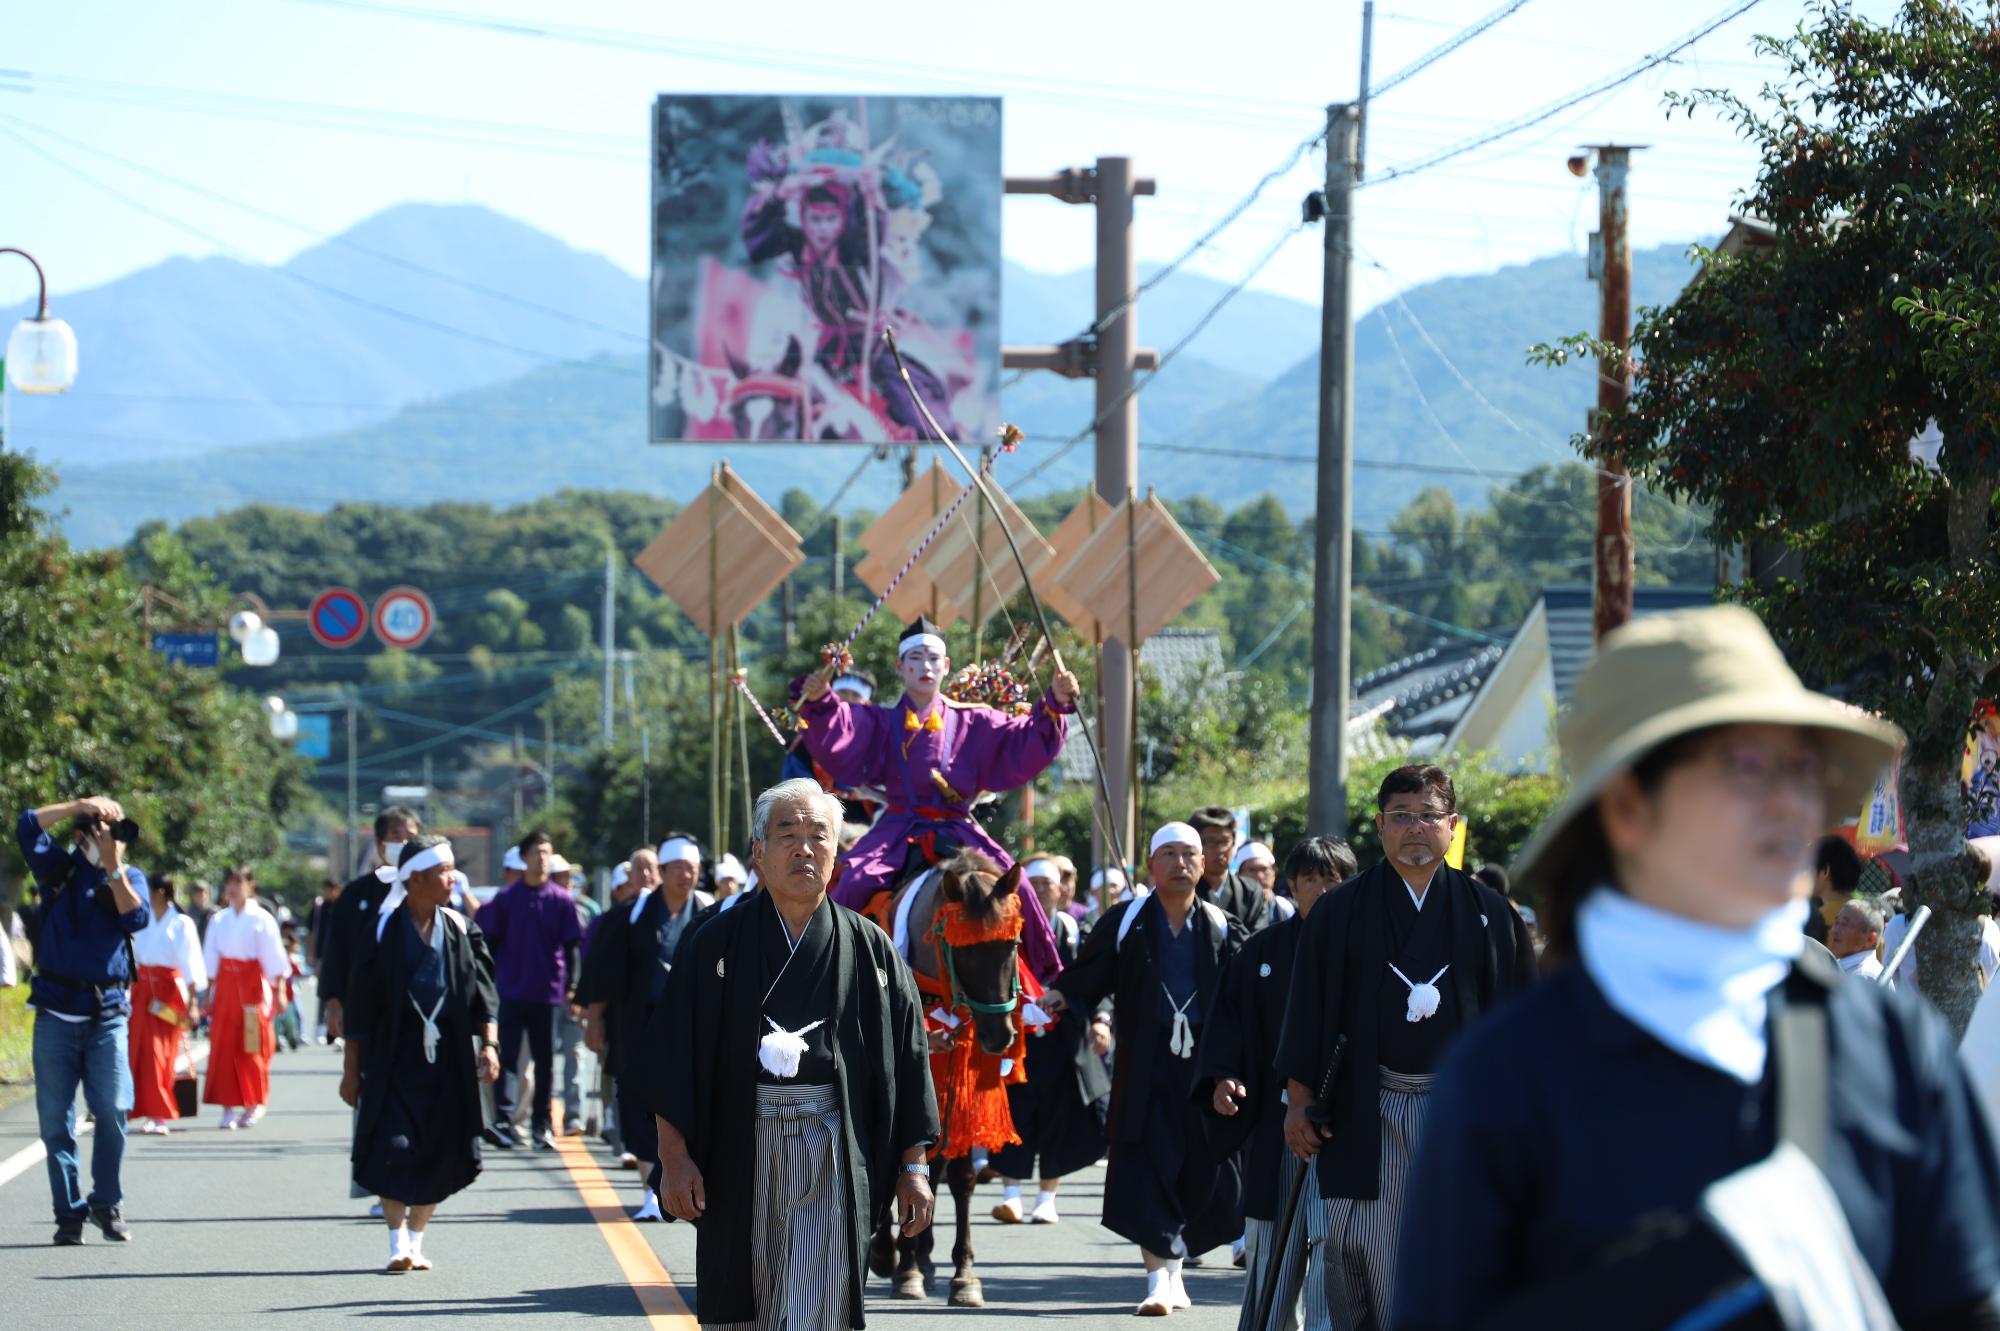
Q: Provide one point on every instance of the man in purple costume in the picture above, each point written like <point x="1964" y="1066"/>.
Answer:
<point x="933" y="756"/>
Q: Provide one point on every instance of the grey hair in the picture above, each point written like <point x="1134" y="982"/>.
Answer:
<point x="1870" y="911"/>
<point x="803" y="789"/>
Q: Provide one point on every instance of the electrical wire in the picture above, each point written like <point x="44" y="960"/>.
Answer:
<point x="1533" y="118"/>
<point x="1445" y="48"/>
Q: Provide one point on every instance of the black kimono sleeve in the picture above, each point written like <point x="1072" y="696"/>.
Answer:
<point x="916" y="1112"/>
<point x="1224" y="1053"/>
<point x="483" y="1002"/>
<point x="1089" y="980"/>
<point x="363" y="1004"/>
<point x="1302" y="1043"/>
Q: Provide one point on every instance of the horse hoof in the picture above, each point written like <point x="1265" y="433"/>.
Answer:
<point x="911" y="1287"/>
<point x="881" y="1257"/>
<point x="967" y="1293"/>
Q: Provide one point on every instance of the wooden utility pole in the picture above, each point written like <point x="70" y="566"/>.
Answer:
<point x="1611" y="266"/>
<point x="1333" y="524"/>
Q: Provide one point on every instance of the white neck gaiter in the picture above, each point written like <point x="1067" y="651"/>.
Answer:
<point x="1697" y="988"/>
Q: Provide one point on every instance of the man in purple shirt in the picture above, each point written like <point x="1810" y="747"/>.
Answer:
<point x="533" y="930"/>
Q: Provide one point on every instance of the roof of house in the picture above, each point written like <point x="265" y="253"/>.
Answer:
<point x="1179" y="658"/>
<point x="1427" y="690"/>
<point x="1572" y="636"/>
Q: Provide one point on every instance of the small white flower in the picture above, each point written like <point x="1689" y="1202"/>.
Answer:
<point x="1264" y="971"/>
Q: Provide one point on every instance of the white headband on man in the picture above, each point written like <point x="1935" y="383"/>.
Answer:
<point x="855" y="684"/>
<point x="679" y="850"/>
<point x="1174" y="834"/>
<point x="621" y="875"/>
<point x="428" y="858"/>
<point x="1103" y="876"/>
<point x="1045" y="870"/>
<point x="916" y="640"/>
<point x="729" y="867"/>
<point x="512" y="860"/>
<point x="1252" y="852"/>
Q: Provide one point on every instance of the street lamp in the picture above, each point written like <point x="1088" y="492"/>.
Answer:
<point x="284" y="721"/>
<point x="41" y="352"/>
<point x="258" y="640"/>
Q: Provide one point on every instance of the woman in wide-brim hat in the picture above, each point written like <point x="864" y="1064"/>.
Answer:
<point x="1591" y="1144"/>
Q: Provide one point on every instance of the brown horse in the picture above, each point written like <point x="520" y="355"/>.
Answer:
<point x="984" y="976"/>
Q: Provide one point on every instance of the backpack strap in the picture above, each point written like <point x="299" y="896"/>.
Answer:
<point x="1799" y="1037"/>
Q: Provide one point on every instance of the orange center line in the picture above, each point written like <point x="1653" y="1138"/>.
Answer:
<point x="659" y="1298"/>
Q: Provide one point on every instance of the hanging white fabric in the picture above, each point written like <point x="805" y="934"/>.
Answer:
<point x="430" y="1027"/>
<point x="779" y="1051"/>
<point x="1180" y="1043"/>
<point x="1424" y="998"/>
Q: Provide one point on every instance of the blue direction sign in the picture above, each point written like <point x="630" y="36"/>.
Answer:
<point x="190" y="649"/>
<point x="315" y="738"/>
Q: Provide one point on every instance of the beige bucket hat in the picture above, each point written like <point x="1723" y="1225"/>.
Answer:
<point x="1671" y="674"/>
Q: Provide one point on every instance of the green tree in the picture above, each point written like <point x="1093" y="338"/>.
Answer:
<point x="89" y="707"/>
<point x="1782" y="392"/>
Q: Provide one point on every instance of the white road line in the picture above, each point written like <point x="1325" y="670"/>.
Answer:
<point x="34" y="1152"/>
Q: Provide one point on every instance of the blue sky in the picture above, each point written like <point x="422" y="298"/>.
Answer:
<point x="325" y="111"/>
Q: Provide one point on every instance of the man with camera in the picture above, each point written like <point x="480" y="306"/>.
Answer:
<point x="92" y="905"/>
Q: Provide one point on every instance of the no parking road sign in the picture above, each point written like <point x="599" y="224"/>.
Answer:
<point x="404" y="618"/>
<point x="337" y="617"/>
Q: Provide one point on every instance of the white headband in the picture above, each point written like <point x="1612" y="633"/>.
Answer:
<point x="512" y="859"/>
<point x="416" y="864"/>
<point x="1045" y="870"/>
<point x="621" y="875"/>
<point x="1250" y="853"/>
<point x="1103" y="876"/>
<point x="679" y="850"/>
<point x="916" y="640"/>
<point x="854" y="684"/>
<point x="729" y="867"/>
<point x="1174" y="834"/>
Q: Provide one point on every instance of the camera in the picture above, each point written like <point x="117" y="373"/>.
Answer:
<point x="125" y="831"/>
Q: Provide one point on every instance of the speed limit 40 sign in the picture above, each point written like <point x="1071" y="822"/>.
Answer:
<point x="403" y="618"/>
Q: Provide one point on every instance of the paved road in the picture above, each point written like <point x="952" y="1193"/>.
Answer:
<point x="232" y="1229"/>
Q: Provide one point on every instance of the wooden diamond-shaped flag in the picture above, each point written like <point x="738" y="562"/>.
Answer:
<point x="969" y="561"/>
<point x="726" y="541"/>
<point x="1171" y="571"/>
<point x="1068" y="538"/>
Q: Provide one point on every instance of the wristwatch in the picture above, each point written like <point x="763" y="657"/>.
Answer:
<point x="489" y="1044"/>
<point x="922" y="1167"/>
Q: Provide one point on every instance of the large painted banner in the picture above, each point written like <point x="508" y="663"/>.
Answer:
<point x="788" y="232"/>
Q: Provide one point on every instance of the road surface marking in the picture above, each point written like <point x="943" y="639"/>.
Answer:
<point x="34" y="1152"/>
<point x="665" y="1309"/>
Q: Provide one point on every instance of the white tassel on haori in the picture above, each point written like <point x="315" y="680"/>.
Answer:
<point x="780" y="1050"/>
<point x="1032" y="1015"/>
<point x="1180" y="1041"/>
<point x="1424" y="998"/>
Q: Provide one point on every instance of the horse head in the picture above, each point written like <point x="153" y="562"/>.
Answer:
<point x="985" y="964"/>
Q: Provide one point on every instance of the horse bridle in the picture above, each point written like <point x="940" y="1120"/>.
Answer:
<point x="958" y="994"/>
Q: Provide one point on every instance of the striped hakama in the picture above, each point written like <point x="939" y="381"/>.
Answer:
<point x="1360" y="1262"/>
<point x="1302" y="1273"/>
<point x="799" y="1248"/>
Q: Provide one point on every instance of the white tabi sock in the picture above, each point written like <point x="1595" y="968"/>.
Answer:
<point x="399" y="1242"/>
<point x="416" y="1242"/>
<point x="1010" y="1192"/>
<point x="1043" y="1199"/>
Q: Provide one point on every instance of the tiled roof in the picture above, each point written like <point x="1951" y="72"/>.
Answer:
<point x="1179" y="658"/>
<point x="1426" y="691"/>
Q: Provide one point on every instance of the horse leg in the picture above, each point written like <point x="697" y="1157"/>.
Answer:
<point x="913" y="1266"/>
<point x="966" y="1290"/>
<point x="882" y="1250"/>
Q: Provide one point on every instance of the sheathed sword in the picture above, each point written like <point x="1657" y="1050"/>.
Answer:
<point x="1895" y="963"/>
<point x="1319" y="1113"/>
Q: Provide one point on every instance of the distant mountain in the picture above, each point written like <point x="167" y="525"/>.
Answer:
<point x="209" y="383"/>
<point x="193" y="354"/>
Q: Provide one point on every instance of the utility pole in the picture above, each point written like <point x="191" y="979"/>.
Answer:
<point x="353" y="791"/>
<point x="430" y="799"/>
<point x="518" y="753"/>
<point x="645" y="782"/>
<point x="1333" y="530"/>
<point x="548" y="763"/>
<point x="1611" y="265"/>
<point x="788" y="611"/>
<point x="839" y="560"/>
<point x="608" y="626"/>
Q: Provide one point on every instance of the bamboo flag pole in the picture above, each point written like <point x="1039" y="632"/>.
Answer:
<point x="742" y="732"/>
<point x="1131" y="812"/>
<point x="714" y="670"/>
<point x="1027" y="580"/>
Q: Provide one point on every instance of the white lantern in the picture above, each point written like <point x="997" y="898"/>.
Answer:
<point x="274" y="704"/>
<point x="261" y="647"/>
<point x="41" y="356"/>
<point x="285" y="725"/>
<point x="244" y="623"/>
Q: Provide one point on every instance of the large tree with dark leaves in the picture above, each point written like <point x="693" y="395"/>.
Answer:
<point x="1784" y="388"/>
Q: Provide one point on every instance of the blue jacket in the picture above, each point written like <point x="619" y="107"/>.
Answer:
<point x="1557" y="1126"/>
<point x="81" y="965"/>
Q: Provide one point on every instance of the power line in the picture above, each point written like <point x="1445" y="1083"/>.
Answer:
<point x="1166" y="357"/>
<point x="1445" y="48"/>
<point x="1534" y="118"/>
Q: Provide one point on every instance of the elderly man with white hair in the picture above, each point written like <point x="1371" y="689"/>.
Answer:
<point x="789" y="1069"/>
<point x="1160" y="957"/>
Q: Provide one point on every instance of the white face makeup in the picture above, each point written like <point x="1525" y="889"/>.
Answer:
<point x="923" y="670"/>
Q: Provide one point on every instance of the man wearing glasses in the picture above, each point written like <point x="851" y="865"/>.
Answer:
<point x="1395" y="962"/>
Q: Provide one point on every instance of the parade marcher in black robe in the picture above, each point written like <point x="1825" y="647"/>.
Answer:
<point x="1238" y="1089"/>
<point x="1059" y="1112"/>
<point x="1240" y="899"/>
<point x="789" y="1069"/>
<point x="415" y="1003"/>
<point x="1698" y="1120"/>
<point x="1399" y="972"/>
<point x="637" y="959"/>
<point x="1165" y="1190"/>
